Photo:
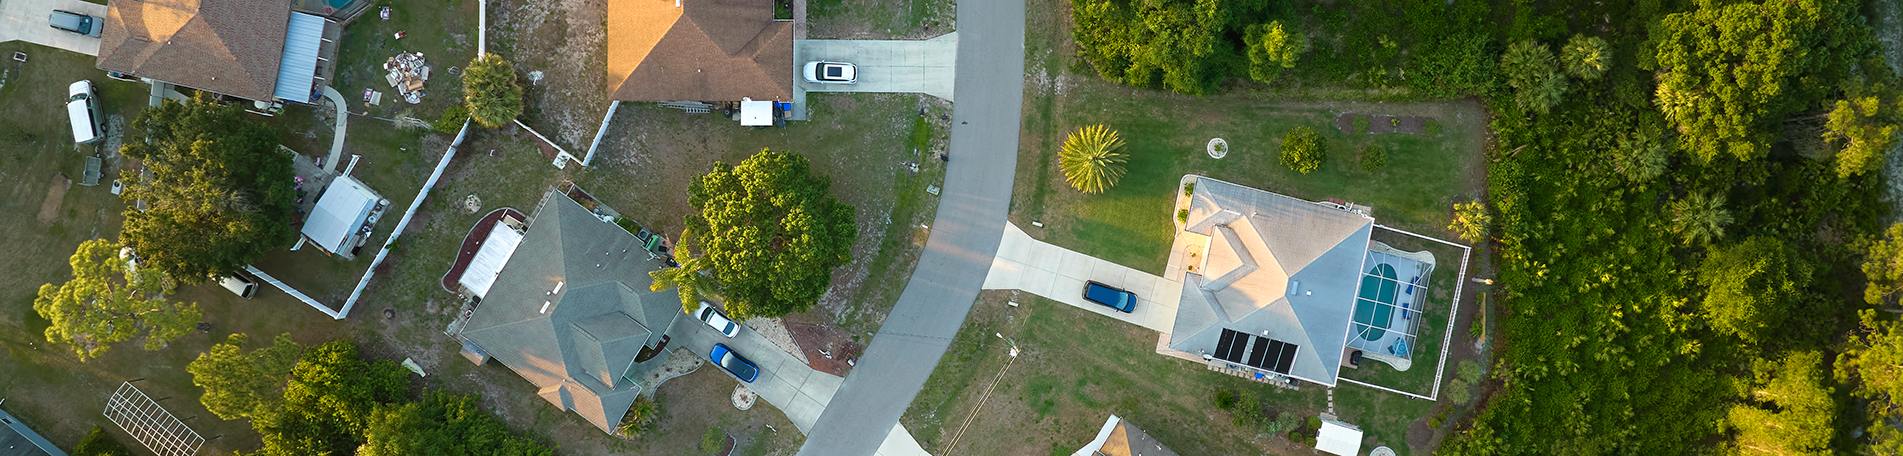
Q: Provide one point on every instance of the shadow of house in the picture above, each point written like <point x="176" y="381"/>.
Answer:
<point x="570" y="312"/>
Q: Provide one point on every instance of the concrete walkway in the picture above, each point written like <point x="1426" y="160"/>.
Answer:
<point x="25" y="20"/>
<point x="335" y="162"/>
<point x="1058" y="273"/>
<point x="887" y="66"/>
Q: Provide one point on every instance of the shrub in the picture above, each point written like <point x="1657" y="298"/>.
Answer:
<point x="98" y="443"/>
<point x="1092" y="159"/>
<point x="451" y="120"/>
<point x="1302" y="150"/>
<point x="640" y="418"/>
<point x="713" y="441"/>
<point x="1182" y="215"/>
<point x="1372" y="158"/>
<point x="1470" y="221"/>
<point x="1189" y="189"/>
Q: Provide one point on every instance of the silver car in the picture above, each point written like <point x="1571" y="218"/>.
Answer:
<point x="712" y="317"/>
<point x="824" y="72"/>
<point x="76" y="23"/>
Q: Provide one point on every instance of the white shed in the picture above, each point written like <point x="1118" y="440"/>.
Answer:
<point x="1338" y="438"/>
<point x="343" y="216"/>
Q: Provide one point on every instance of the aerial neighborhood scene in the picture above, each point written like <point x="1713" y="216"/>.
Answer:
<point x="951" y="227"/>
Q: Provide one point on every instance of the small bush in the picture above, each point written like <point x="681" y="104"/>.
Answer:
<point x="1182" y="215"/>
<point x="713" y="441"/>
<point x="1372" y="158"/>
<point x="1189" y="189"/>
<point x="1302" y="150"/>
<point x="451" y="121"/>
<point x="98" y="443"/>
<point x="640" y="418"/>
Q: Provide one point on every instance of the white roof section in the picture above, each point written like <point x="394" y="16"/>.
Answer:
<point x="345" y="206"/>
<point x="756" y="113"/>
<point x="1338" y="438"/>
<point x="1276" y="266"/>
<point x="490" y="258"/>
<point x="298" y="69"/>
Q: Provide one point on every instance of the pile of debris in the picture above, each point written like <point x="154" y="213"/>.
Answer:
<point x="407" y="73"/>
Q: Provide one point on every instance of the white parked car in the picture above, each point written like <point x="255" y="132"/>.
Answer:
<point x="824" y="72"/>
<point x="712" y="317"/>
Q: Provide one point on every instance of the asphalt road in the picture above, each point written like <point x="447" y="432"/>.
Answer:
<point x="970" y="223"/>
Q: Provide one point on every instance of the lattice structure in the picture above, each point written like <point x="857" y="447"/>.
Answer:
<point x="151" y="424"/>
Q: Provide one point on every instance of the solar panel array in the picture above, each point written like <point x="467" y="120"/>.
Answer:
<point x="1256" y="351"/>
<point x="150" y="424"/>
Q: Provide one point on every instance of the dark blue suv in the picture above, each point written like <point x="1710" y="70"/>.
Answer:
<point x="1113" y="297"/>
<point x="733" y="363"/>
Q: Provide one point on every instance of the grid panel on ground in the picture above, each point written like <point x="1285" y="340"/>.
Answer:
<point x="151" y="424"/>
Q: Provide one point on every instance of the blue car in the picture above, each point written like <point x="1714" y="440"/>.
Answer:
<point x="1112" y="297"/>
<point x="734" y="364"/>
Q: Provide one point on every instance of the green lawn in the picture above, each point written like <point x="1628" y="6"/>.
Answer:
<point x="1075" y="369"/>
<point x="861" y="19"/>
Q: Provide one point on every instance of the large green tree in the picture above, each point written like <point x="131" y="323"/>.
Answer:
<point x="770" y="231"/>
<point x="109" y="300"/>
<point x="328" y="402"/>
<point x="1699" y="218"/>
<point x="1729" y="72"/>
<point x="217" y="193"/>
<point x="239" y="384"/>
<point x="442" y="424"/>
<point x="1586" y="57"/>
<point x="1873" y="363"/>
<point x="1883" y="268"/>
<point x="1865" y="127"/>
<point x="1152" y="43"/>
<point x="1788" y="410"/>
<point x="1752" y="287"/>
<point x="490" y="91"/>
<point x="1272" y="50"/>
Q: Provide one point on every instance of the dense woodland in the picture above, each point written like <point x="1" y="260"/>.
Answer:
<point x="1688" y="209"/>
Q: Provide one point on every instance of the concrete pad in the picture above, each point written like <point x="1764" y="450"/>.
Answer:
<point x="26" y="20"/>
<point x="889" y="66"/>
<point x="899" y="442"/>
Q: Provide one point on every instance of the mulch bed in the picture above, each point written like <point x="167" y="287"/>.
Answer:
<point x="818" y="341"/>
<point x="472" y="243"/>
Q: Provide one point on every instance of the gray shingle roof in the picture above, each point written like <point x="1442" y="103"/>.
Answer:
<point x="571" y="309"/>
<point x="1277" y="264"/>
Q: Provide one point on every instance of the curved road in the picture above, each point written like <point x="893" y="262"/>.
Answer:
<point x="970" y="223"/>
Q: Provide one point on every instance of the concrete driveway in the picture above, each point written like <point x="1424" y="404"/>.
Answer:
<point x="1058" y="273"/>
<point x="889" y="66"/>
<point x="25" y="20"/>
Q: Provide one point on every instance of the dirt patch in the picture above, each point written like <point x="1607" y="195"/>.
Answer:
<point x="566" y="41"/>
<point x="1349" y="122"/>
<point x="827" y="348"/>
<point x="55" y="194"/>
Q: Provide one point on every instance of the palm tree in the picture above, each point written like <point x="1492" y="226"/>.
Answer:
<point x="1092" y="159"/>
<point x="1699" y="218"/>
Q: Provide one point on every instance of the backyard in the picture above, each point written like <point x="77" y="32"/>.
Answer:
<point x="1166" y="133"/>
<point x="1073" y="371"/>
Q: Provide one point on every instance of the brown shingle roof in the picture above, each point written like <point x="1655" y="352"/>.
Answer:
<point x="701" y="50"/>
<point x="227" y="46"/>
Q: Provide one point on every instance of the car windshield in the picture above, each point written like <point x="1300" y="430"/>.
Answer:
<point x="733" y="364"/>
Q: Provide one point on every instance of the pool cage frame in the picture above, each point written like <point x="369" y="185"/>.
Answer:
<point x="1406" y="311"/>
<point x="1453" y="313"/>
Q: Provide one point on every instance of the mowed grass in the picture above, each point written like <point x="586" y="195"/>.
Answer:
<point x="1166" y="134"/>
<point x="45" y="385"/>
<point x="880" y="19"/>
<point x="1074" y="370"/>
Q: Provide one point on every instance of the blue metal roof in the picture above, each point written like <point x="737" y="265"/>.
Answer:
<point x="298" y="69"/>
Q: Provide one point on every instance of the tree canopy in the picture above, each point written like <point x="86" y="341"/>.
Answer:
<point x="1865" y="126"/>
<point x="1788" y="410"/>
<point x="1729" y="71"/>
<point x="109" y="301"/>
<point x="1533" y="72"/>
<point x="1586" y="57"/>
<point x="328" y="401"/>
<point x="217" y="193"/>
<point x="1873" y="362"/>
<point x="239" y="384"/>
<point x="770" y="231"/>
<point x="1302" y="150"/>
<point x="1272" y="50"/>
<point x="490" y="91"/>
<point x="442" y="424"/>
<point x="1883" y="268"/>
<point x="1155" y="43"/>
<point x="1752" y="286"/>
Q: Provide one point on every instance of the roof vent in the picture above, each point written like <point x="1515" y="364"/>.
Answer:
<point x="1294" y="286"/>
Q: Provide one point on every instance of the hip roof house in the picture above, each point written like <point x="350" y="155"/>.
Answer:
<point x="260" y="51"/>
<point x="571" y="312"/>
<point x="698" y="50"/>
<point x="1275" y="287"/>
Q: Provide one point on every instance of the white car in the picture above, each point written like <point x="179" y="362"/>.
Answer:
<point x="824" y="72"/>
<point x="712" y="317"/>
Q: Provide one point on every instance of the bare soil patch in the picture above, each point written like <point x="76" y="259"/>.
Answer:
<point x="55" y="194"/>
<point x="566" y="41"/>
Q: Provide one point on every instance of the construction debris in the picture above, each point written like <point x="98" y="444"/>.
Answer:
<point x="407" y="73"/>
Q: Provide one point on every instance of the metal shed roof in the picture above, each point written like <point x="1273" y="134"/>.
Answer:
<point x="495" y="252"/>
<point x="346" y="204"/>
<point x="298" y="69"/>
